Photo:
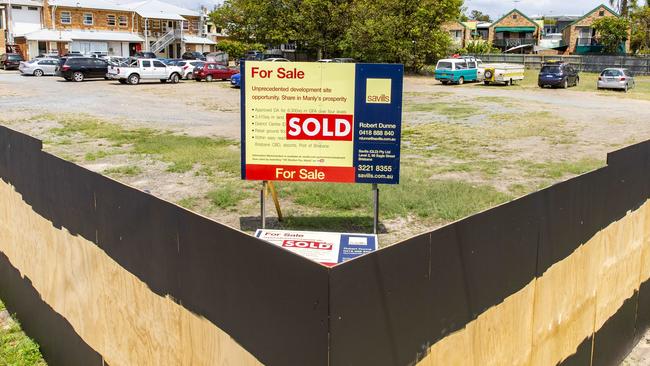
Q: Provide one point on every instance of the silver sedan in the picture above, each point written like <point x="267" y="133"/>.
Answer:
<point x="39" y="66"/>
<point x="616" y="79"/>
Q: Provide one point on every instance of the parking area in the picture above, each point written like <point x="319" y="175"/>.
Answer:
<point x="465" y="148"/>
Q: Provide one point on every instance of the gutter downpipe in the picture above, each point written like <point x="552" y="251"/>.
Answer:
<point x="146" y="36"/>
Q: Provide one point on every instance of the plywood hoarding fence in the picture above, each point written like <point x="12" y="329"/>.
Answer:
<point x="100" y="272"/>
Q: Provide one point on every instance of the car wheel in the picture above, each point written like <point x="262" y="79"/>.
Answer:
<point x="565" y="85"/>
<point x="134" y="79"/>
<point x="208" y="78"/>
<point x="175" y="78"/>
<point x="461" y="81"/>
<point x="78" y="76"/>
<point x="190" y="76"/>
<point x="626" y="88"/>
<point x="38" y="73"/>
<point x="5" y="67"/>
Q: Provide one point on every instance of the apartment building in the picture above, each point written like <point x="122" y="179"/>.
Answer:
<point x="460" y="32"/>
<point x="106" y="27"/>
<point x="581" y="37"/>
<point x="18" y="17"/>
<point x="515" y="31"/>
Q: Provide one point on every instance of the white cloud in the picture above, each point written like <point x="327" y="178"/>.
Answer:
<point x="497" y="8"/>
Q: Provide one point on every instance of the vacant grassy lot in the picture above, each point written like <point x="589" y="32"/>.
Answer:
<point x="16" y="349"/>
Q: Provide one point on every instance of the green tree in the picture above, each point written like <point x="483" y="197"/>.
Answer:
<point x="255" y="21"/>
<point x="612" y="32"/>
<point x="403" y="31"/>
<point x="480" y="16"/>
<point x="320" y="25"/>
<point x="640" y="19"/>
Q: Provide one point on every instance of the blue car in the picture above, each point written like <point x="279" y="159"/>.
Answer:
<point x="235" y="80"/>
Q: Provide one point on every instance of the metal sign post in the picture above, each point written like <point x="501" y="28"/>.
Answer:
<point x="375" y="199"/>
<point x="263" y="204"/>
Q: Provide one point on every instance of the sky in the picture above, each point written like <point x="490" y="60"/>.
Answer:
<point x="496" y="8"/>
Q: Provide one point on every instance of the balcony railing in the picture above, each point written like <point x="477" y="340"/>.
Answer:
<point x="514" y="42"/>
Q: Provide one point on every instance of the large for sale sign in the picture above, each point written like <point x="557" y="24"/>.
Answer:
<point x="321" y="122"/>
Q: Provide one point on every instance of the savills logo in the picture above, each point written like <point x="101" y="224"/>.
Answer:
<point x="378" y="91"/>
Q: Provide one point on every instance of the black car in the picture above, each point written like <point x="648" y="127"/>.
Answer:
<point x="193" y="56"/>
<point x="144" y="54"/>
<point x="81" y="68"/>
<point x="558" y="74"/>
<point x="10" y="60"/>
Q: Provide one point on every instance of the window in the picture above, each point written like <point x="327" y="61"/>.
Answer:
<point x="158" y="64"/>
<point x="17" y="7"/>
<point x="33" y="8"/>
<point x="514" y="16"/>
<point x="601" y="13"/>
<point x="123" y="21"/>
<point x="88" y="18"/>
<point x="66" y="17"/>
<point x="186" y="25"/>
<point x="146" y="63"/>
<point x="110" y="20"/>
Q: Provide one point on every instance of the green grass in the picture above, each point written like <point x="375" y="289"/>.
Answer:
<point x="16" y="348"/>
<point x="560" y="169"/>
<point x="181" y="151"/>
<point x="92" y="156"/>
<point x="123" y="171"/>
<point x="189" y="203"/>
<point x="226" y="196"/>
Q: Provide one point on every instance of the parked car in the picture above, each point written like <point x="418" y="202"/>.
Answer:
<point x="116" y="60"/>
<point x="144" y="54"/>
<point x="98" y="54"/>
<point x="188" y="68"/>
<point x="502" y="73"/>
<point x="144" y="69"/>
<point x="558" y="74"/>
<point x="254" y="56"/>
<point x="212" y="70"/>
<point x="49" y="55"/>
<point x="39" y="67"/>
<point x="11" y="60"/>
<point x="235" y="80"/>
<point x="457" y="70"/>
<point x="337" y="60"/>
<point x="73" y="54"/>
<point x="81" y="68"/>
<point x="193" y="56"/>
<point x="172" y="61"/>
<point x="616" y="79"/>
<point x="277" y="59"/>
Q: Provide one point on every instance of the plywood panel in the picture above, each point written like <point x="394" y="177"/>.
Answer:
<point x="111" y="309"/>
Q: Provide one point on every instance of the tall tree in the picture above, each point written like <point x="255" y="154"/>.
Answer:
<point x="612" y="32"/>
<point x="262" y="21"/>
<point x="480" y="16"/>
<point x="402" y="31"/>
<point x="640" y="18"/>
<point x="622" y="6"/>
<point x="320" y="25"/>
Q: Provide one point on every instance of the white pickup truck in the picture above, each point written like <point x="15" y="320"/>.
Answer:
<point x="144" y="69"/>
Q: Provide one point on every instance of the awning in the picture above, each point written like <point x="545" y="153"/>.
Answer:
<point x="197" y="40"/>
<point x="103" y="36"/>
<point x="48" y="35"/>
<point x="515" y="29"/>
<point x="159" y="15"/>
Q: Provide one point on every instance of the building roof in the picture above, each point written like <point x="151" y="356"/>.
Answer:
<point x="160" y="10"/>
<point x="22" y="2"/>
<point x="591" y="12"/>
<point x="74" y="35"/>
<point x="197" y="40"/>
<point x="88" y="4"/>
<point x="518" y="11"/>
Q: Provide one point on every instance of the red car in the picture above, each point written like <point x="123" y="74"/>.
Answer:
<point x="212" y="71"/>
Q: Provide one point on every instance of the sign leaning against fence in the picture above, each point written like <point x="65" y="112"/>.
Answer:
<point x="321" y="122"/>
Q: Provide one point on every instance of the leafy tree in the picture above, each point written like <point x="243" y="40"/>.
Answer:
<point x="640" y="41"/>
<point x="612" y="32"/>
<point x="321" y="24"/>
<point x="480" y="16"/>
<point x="479" y="46"/>
<point x="261" y="21"/>
<point x="403" y="31"/>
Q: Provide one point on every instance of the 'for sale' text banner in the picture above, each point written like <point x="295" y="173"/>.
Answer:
<point x="299" y="123"/>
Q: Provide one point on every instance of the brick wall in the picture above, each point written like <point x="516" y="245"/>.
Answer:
<point x="158" y="25"/>
<point x="100" y="19"/>
<point x="3" y="42"/>
<point x="514" y="19"/>
<point x="457" y="26"/>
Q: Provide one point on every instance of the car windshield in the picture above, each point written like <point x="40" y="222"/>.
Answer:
<point x="612" y="73"/>
<point x="15" y="57"/>
<point x="550" y="70"/>
<point x="197" y="63"/>
<point x="445" y="65"/>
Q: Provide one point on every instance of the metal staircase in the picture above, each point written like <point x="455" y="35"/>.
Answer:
<point x="165" y="40"/>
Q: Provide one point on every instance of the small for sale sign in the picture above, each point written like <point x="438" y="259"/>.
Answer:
<point x="328" y="249"/>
